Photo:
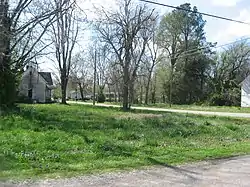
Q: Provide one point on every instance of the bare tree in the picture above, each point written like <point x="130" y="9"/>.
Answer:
<point x="23" y="27"/>
<point x="65" y="31"/>
<point x="121" y="30"/>
<point x="29" y="20"/>
<point x="80" y="73"/>
<point x="114" y="79"/>
<point x="152" y="58"/>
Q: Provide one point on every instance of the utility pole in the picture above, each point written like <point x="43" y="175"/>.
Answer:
<point x="94" y="78"/>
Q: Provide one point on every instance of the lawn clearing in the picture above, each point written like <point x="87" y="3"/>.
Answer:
<point x="57" y="141"/>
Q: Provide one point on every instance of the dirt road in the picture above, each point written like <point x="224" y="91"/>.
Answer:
<point x="232" y="172"/>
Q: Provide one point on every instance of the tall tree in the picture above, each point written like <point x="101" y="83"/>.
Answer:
<point x="80" y="73"/>
<point x="194" y="66"/>
<point x="153" y="57"/>
<point x="169" y="35"/>
<point x="230" y="68"/>
<point x="125" y="31"/>
<point x="65" y="32"/>
<point x="23" y="27"/>
<point x="181" y="34"/>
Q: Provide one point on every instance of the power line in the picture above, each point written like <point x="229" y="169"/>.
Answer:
<point x="209" y="46"/>
<point x="202" y="13"/>
<point x="185" y="54"/>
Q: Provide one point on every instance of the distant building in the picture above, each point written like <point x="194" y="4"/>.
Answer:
<point x="245" y="92"/>
<point x="36" y="86"/>
<point x="76" y="95"/>
<point x="71" y="87"/>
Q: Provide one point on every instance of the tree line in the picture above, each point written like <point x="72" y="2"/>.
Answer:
<point x="140" y="56"/>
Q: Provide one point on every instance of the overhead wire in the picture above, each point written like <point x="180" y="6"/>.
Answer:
<point x="195" y="51"/>
<point x="196" y="12"/>
<point x="198" y="51"/>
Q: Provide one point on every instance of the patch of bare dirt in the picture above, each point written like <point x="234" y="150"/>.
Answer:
<point x="137" y="116"/>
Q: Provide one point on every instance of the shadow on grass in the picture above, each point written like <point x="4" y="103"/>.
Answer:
<point x="78" y="120"/>
<point x="177" y="169"/>
<point x="184" y="172"/>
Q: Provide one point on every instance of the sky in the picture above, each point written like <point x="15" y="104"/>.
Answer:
<point x="220" y="31"/>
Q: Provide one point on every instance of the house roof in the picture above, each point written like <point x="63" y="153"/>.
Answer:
<point x="47" y="77"/>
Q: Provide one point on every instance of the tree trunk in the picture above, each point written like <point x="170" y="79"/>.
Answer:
<point x="115" y="94"/>
<point x="154" y="91"/>
<point x="131" y="94"/>
<point x="81" y="91"/>
<point x="63" y="94"/>
<point x="171" y="86"/>
<point x="147" y="88"/>
<point x="64" y="87"/>
<point x="7" y="84"/>
<point x="109" y="93"/>
<point x="7" y="75"/>
<point x="163" y="98"/>
<point x="153" y="97"/>
<point x="125" y="97"/>
<point x="119" y="94"/>
<point x="141" y="94"/>
<point x="126" y="82"/>
<point x="146" y="94"/>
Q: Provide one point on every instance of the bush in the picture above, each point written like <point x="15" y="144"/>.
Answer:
<point x="101" y="97"/>
<point x="23" y="99"/>
<point x="231" y="97"/>
<point x="8" y="82"/>
<point x="217" y="100"/>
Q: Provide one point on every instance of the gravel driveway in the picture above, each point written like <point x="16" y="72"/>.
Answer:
<point x="233" y="172"/>
<point x="206" y="113"/>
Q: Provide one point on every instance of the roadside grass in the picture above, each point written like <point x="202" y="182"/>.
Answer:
<point x="232" y="109"/>
<point x="57" y="141"/>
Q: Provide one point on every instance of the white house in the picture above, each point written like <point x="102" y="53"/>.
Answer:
<point x="36" y="86"/>
<point x="75" y="95"/>
<point x="245" y="92"/>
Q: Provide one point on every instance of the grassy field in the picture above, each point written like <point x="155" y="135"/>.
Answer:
<point x="57" y="141"/>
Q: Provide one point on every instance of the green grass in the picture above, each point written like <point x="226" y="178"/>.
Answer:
<point x="57" y="141"/>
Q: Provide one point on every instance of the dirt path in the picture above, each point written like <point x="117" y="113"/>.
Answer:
<point x="208" y="113"/>
<point x="232" y="172"/>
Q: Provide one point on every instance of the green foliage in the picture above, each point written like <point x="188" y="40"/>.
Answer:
<point x="57" y="93"/>
<point x="217" y="100"/>
<point x="23" y="99"/>
<point x="229" y="70"/>
<point x="203" y="76"/>
<point x="56" y="140"/>
<point x="8" y="83"/>
<point x="181" y="33"/>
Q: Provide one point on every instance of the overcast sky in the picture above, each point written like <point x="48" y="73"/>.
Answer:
<point x="220" y="31"/>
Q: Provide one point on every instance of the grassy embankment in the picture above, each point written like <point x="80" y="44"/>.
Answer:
<point x="56" y="140"/>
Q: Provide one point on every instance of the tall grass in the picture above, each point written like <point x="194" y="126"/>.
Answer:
<point x="56" y="140"/>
